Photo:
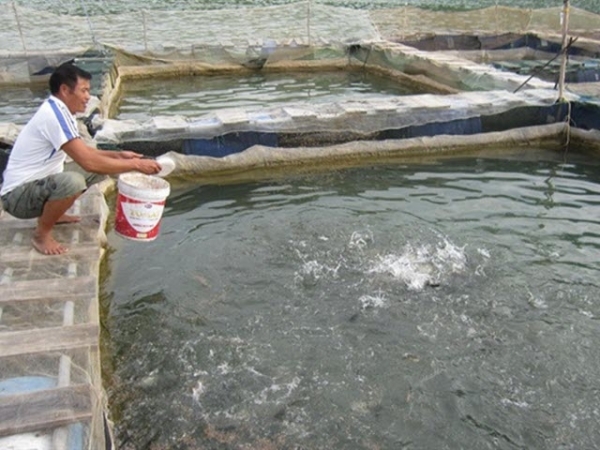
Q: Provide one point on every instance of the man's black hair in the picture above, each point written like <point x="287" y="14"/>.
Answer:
<point x="67" y="73"/>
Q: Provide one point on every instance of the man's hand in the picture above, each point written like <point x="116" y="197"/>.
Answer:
<point x="147" y="166"/>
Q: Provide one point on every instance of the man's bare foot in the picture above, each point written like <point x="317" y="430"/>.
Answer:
<point x="46" y="245"/>
<point x="66" y="218"/>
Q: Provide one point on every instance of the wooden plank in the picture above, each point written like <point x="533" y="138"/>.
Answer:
<point x="45" y="340"/>
<point x="35" y="411"/>
<point x="42" y="289"/>
<point x="97" y="431"/>
<point x="8" y="223"/>
<point x="81" y="297"/>
<point x="25" y="252"/>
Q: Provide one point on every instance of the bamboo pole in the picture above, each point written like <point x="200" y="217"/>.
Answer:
<point x="564" y="19"/>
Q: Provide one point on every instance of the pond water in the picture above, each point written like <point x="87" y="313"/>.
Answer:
<point x="19" y="103"/>
<point x="192" y="96"/>
<point x="435" y="305"/>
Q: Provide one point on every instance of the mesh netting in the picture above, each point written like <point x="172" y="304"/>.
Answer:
<point x="179" y="32"/>
<point x="408" y="23"/>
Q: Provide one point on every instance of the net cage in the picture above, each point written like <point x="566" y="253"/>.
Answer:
<point x="472" y="66"/>
<point x="37" y="35"/>
<point x="432" y="47"/>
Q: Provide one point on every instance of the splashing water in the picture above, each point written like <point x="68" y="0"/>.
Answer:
<point x="373" y="301"/>
<point x="360" y="240"/>
<point x="417" y="266"/>
<point x="422" y="265"/>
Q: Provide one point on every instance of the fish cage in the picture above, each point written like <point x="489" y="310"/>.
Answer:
<point x="481" y="76"/>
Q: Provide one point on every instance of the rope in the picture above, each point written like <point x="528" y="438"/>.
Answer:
<point x="568" y="120"/>
<point x="539" y="69"/>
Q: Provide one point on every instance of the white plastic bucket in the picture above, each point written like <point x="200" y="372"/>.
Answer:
<point x="140" y="204"/>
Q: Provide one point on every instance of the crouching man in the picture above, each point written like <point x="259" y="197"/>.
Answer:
<point x="35" y="183"/>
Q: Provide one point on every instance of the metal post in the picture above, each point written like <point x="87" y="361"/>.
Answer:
<point x="564" y="19"/>
<point x="308" y="13"/>
<point x="60" y="436"/>
<point x="496" y="19"/>
<point x="145" y="28"/>
<point x="405" y="17"/>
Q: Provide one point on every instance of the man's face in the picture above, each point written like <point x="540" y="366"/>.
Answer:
<point x="76" y="99"/>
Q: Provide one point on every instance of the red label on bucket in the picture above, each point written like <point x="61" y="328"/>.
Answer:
<point x="138" y="219"/>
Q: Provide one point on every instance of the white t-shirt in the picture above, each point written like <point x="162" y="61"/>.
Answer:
<point x="37" y="151"/>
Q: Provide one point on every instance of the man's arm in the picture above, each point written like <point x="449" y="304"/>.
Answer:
<point x="120" y="154"/>
<point x="100" y="161"/>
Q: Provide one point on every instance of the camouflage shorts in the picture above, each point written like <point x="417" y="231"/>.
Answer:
<point x="27" y="200"/>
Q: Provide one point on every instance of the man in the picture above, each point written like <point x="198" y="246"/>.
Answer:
<point x="35" y="183"/>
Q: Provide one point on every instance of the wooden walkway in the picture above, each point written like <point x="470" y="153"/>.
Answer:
<point x="50" y="379"/>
